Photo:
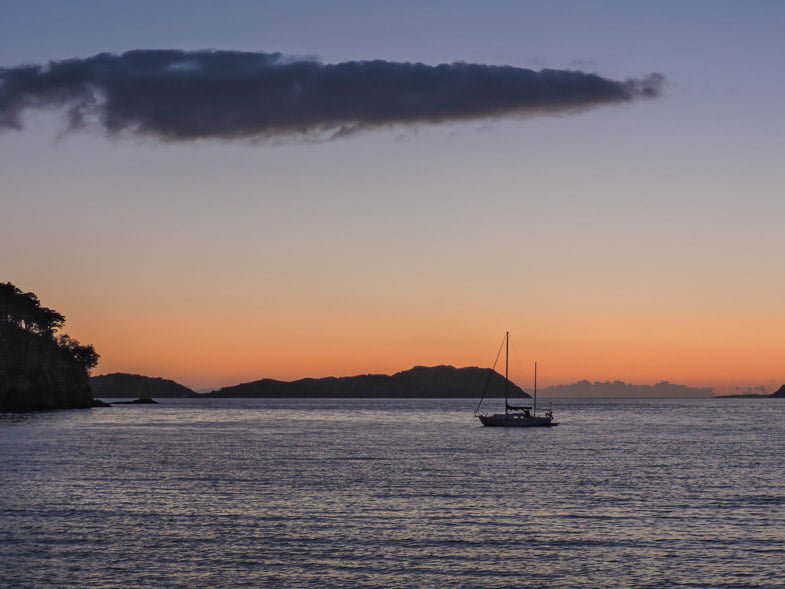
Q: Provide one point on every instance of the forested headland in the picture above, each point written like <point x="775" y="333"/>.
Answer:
<point x="41" y="367"/>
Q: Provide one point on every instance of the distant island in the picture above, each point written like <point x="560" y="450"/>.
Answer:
<point x="418" y="382"/>
<point x="40" y="369"/>
<point x="121" y="384"/>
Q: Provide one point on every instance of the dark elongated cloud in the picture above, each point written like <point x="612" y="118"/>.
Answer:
<point x="184" y="95"/>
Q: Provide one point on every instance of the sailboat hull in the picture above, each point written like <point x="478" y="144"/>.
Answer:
<point x="515" y="420"/>
<point x="513" y="416"/>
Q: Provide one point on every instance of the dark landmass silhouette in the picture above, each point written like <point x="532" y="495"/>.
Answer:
<point x="750" y="393"/>
<point x="418" y="382"/>
<point x="121" y="384"/>
<point x="139" y="401"/>
<point x="744" y="396"/>
<point x="621" y="390"/>
<point x="39" y="368"/>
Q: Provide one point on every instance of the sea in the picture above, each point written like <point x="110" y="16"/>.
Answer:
<point x="394" y="493"/>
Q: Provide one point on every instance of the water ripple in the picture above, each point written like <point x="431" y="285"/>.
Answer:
<point x="393" y="493"/>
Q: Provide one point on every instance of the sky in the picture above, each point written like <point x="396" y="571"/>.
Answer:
<point x="637" y="241"/>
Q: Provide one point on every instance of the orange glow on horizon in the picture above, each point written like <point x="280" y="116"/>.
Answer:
<point x="214" y="354"/>
<point x="265" y="334"/>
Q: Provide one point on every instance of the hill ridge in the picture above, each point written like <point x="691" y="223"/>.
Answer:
<point x="442" y="381"/>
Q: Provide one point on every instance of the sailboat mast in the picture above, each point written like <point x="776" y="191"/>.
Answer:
<point x="535" y="388"/>
<point x="506" y="368"/>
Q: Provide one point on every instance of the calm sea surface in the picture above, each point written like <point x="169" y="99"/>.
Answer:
<point x="394" y="493"/>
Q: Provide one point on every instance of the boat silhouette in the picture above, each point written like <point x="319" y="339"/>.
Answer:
<point x="514" y="415"/>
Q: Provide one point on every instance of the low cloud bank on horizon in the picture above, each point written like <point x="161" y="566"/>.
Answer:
<point x="618" y="389"/>
<point x="175" y="95"/>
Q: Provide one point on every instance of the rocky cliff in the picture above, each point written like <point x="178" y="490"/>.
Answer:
<point x="36" y="373"/>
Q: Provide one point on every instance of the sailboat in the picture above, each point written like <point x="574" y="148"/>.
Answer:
<point x="513" y="416"/>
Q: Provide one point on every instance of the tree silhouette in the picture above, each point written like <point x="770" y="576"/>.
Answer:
<point x="85" y="355"/>
<point x="23" y="310"/>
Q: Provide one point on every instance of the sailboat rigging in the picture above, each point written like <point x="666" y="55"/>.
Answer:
<point x="514" y="415"/>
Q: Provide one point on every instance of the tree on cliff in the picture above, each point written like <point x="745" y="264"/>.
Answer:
<point x="85" y="355"/>
<point x="24" y="311"/>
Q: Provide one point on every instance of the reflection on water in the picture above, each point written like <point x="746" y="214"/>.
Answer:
<point x="394" y="493"/>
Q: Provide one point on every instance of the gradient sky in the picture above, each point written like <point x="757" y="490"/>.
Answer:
<point x="639" y="242"/>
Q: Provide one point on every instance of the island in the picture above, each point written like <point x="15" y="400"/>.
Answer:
<point x="418" y="382"/>
<point x="780" y="392"/>
<point x="139" y="401"/>
<point x="121" y="384"/>
<point x="40" y="368"/>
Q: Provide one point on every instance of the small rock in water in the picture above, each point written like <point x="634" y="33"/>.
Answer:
<point x="139" y="401"/>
